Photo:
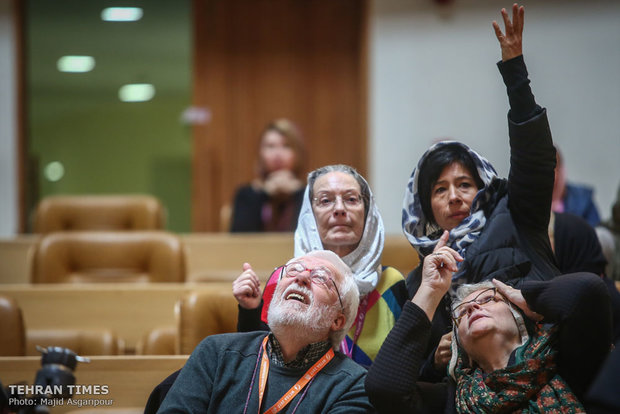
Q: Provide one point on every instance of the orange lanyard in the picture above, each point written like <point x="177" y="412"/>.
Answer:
<point x="290" y="394"/>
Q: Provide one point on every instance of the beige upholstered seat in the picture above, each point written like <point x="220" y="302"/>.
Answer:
<point x="99" y="212"/>
<point x="203" y="313"/>
<point x="12" y="333"/>
<point x="159" y="341"/>
<point x="107" y="256"/>
<point x="80" y="341"/>
<point x="209" y="311"/>
<point x="16" y="340"/>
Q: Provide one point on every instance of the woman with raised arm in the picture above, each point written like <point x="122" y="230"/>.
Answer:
<point x="499" y="226"/>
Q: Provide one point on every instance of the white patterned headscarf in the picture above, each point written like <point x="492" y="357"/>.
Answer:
<point x="418" y="228"/>
<point x="365" y="260"/>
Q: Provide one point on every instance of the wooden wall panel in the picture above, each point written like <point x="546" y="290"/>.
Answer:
<point x="256" y="60"/>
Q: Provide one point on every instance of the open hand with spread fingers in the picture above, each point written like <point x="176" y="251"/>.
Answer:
<point x="511" y="40"/>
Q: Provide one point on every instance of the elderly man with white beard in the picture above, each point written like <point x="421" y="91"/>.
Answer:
<point x="294" y="368"/>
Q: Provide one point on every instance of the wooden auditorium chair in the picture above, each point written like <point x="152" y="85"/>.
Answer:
<point x="82" y="341"/>
<point x="16" y="340"/>
<point x="203" y="313"/>
<point x="159" y="341"/>
<point x="108" y="256"/>
<point x="12" y="332"/>
<point x="208" y="311"/>
<point x="98" y="212"/>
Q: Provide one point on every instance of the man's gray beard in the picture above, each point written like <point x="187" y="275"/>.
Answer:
<point x="305" y="321"/>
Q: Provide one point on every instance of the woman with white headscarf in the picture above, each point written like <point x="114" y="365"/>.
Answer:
<point x="338" y="213"/>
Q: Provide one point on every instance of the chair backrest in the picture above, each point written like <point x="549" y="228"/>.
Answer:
<point x="159" y="341"/>
<point x="16" y="340"/>
<point x="12" y="332"/>
<point x="98" y="212"/>
<point x="203" y="313"/>
<point x="81" y="341"/>
<point x="108" y="256"/>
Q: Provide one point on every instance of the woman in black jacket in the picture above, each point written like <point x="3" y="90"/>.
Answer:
<point x="499" y="226"/>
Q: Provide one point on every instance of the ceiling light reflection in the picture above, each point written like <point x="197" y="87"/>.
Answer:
<point x="75" y="64"/>
<point x="136" y="92"/>
<point x="54" y="171"/>
<point x="121" y="14"/>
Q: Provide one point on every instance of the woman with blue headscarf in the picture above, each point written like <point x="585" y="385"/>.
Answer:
<point x="499" y="226"/>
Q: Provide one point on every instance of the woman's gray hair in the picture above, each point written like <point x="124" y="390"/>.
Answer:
<point x="461" y="293"/>
<point x="348" y="292"/>
<point x="365" y="190"/>
<point x="465" y="290"/>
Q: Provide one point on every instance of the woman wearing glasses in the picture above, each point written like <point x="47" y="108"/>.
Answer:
<point x="498" y="225"/>
<point x="338" y="213"/>
<point x="536" y="349"/>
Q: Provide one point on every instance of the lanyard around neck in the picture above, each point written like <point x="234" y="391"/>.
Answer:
<point x="295" y="389"/>
<point x="359" y="325"/>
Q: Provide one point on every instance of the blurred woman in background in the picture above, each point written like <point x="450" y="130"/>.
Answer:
<point x="271" y="202"/>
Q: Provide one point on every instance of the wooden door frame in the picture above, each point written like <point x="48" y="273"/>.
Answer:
<point x="19" y="15"/>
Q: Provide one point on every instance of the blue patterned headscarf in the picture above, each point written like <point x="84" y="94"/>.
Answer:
<point x="421" y="232"/>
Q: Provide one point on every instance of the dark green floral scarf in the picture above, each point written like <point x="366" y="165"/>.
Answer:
<point x="531" y="385"/>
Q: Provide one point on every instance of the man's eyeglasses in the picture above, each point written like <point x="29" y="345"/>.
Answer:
<point x="328" y="201"/>
<point x="319" y="276"/>
<point x="483" y="298"/>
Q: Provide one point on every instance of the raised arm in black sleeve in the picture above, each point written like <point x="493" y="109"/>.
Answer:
<point x="532" y="163"/>
<point x="522" y="103"/>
